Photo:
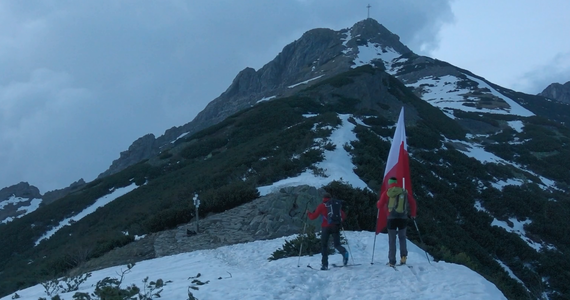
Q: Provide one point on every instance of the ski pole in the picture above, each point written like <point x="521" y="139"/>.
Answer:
<point x="303" y="236"/>
<point x="375" y="234"/>
<point x="421" y="240"/>
<point x="347" y="244"/>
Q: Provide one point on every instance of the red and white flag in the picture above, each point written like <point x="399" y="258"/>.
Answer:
<point x="397" y="166"/>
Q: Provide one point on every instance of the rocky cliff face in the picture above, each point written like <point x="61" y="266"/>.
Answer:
<point x="20" y="190"/>
<point x="14" y="198"/>
<point x="558" y="92"/>
<point x="143" y="148"/>
<point x="319" y="54"/>
<point x="51" y="196"/>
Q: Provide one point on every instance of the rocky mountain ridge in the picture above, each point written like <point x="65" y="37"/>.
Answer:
<point x="557" y="92"/>
<point x="318" y="55"/>
<point x="17" y="199"/>
<point x="20" y="190"/>
<point x="455" y="118"/>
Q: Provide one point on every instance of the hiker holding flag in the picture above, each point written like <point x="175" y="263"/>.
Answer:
<point x="399" y="207"/>
<point x="396" y="199"/>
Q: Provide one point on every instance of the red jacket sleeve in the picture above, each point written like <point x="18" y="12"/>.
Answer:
<point x="321" y="210"/>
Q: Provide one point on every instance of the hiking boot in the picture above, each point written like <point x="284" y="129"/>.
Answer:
<point x="403" y="260"/>
<point x="345" y="258"/>
<point x="389" y="264"/>
<point x="324" y="267"/>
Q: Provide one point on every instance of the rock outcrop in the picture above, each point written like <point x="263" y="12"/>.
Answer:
<point x="21" y="190"/>
<point x="558" y="92"/>
<point x="22" y="195"/>
<point x="272" y="216"/>
<point x="51" y="196"/>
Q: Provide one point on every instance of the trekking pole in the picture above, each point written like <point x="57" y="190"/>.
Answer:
<point x="421" y="240"/>
<point x="303" y="235"/>
<point x="347" y="244"/>
<point x="375" y="234"/>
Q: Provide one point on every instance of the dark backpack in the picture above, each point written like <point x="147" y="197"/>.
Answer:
<point x="334" y="207"/>
<point x="399" y="206"/>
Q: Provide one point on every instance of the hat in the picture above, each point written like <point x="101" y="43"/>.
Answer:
<point x="327" y="195"/>
<point x="392" y="180"/>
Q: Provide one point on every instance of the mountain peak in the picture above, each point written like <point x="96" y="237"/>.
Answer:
<point x="22" y="190"/>
<point x="370" y="31"/>
<point x="558" y="92"/>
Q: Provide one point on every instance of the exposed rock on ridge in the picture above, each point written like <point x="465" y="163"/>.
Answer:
<point x="558" y="92"/>
<point x="22" y="190"/>
<point x="319" y="54"/>
<point x="51" y="196"/>
<point x="272" y="216"/>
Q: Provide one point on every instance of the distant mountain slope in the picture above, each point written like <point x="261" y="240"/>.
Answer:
<point x="323" y="53"/>
<point x="23" y="198"/>
<point x="489" y="169"/>
<point x="558" y="92"/>
<point x="18" y="200"/>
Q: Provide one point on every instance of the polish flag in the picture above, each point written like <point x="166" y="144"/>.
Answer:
<point x="397" y="166"/>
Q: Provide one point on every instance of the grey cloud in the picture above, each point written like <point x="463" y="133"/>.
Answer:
<point x="82" y="80"/>
<point x="537" y="80"/>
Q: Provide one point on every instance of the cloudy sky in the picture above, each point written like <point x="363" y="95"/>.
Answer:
<point x="81" y="80"/>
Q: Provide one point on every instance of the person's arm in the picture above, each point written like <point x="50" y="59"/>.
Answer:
<point x="316" y="213"/>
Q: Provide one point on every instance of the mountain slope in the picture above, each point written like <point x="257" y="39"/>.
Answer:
<point x="225" y="163"/>
<point x="323" y="53"/>
<point x="489" y="176"/>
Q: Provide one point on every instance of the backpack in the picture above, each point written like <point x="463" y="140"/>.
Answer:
<point x="334" y="207"/>
<point x="399" y="207"/>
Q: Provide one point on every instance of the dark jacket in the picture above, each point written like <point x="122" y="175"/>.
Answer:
<point x="322" y="211"/>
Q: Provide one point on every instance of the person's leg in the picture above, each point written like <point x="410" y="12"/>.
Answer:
<point x="336" y="239"/>
<point x="402" y="227"/>
<point x="403" y="245"/>
<point x="325" y="247"/>
<point x="391" y="242"/>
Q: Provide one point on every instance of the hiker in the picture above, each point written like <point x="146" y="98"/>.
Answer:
<point x="332" y="216"/>
<point x="400" y="208"/>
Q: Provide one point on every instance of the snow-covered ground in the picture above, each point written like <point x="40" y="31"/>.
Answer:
<point x="24" y="210"/>
<point x="243" y="271"/>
